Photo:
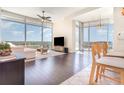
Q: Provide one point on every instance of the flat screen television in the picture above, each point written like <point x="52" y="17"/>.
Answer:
<point x="58" y="41"/>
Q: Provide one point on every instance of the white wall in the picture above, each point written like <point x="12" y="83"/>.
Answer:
<point x="118" y="27"/>
<point x="26" y="11"/>
<point x="64" y="27"/>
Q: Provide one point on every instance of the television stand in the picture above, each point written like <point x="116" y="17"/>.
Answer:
<point x="61" y="49"/>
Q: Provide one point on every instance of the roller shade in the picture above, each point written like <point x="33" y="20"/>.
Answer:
<point x="7" y="15"/>
<point x="11" y="16"/>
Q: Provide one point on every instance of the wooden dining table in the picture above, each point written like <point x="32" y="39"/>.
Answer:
<point x="118" y="54"/>
<point x="115" y="53"/>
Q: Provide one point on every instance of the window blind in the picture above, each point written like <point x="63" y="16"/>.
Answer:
<point x="7" y="15"/>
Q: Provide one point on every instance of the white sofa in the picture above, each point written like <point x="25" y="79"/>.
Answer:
<point x="29" y="53"/>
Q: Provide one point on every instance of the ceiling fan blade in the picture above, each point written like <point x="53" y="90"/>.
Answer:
<point x="43" y="17"/>
<point x="39" y="16"/>
<point x="48" y="17"/>
<point x="49" y="20"/>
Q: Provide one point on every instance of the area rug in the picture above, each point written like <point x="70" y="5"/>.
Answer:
<point x="49" y="54"/>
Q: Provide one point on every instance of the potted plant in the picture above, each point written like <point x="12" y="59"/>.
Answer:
<point x="5" y="49"/>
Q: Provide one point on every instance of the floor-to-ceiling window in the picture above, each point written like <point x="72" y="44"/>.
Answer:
<point x="13" y="32"/>
<point x="33" y="36"/>
<point x="110" y="35"/>
<point x="77" y="38"/>
<point x="85" y="38"/>
<point x="26" y="31"/>
<point x="47" y="36"/>
<point x="97" y="33"/>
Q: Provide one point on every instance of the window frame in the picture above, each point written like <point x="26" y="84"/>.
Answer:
<point x="25" y="29"/>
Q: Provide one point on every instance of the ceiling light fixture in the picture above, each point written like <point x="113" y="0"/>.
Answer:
<point x="44" y="18"/>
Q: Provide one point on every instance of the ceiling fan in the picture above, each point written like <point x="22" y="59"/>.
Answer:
<point x="43" y="17"/>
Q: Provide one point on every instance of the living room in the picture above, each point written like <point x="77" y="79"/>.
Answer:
<point x="52" y="45"/>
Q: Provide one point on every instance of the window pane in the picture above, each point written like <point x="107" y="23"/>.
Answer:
<point x="98" y="34"/>
<point x="85" y="38"/>
<point x="13" y="32"/>
<point x="33" y="37"/>
<point x="77" y="38"/>
<point x="110" y="35"/>
<point x="47" y="36"/>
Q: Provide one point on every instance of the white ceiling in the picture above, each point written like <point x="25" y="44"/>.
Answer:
<point x="26" y="11"/>
<point x="97" y="14"/>
<point x="55" y="12"/>
<point x="79" y="13"/>
<point x="62" y="11"/>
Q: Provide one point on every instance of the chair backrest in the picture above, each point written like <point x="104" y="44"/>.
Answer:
<point x="99" y="50"/>
<point x="46" y="46"/>
<point x="105" y="48"/>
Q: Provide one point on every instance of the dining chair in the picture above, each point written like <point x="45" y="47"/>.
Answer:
<point x="104" y="49"/>
<point x="100" y="61"/>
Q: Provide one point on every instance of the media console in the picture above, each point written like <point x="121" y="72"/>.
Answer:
<point x="61" y="49"/>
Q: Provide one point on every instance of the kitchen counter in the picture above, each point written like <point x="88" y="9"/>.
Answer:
<point x="12" y="71"/>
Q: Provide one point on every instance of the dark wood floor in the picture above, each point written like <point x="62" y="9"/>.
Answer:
<point x="54" y="70"/>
